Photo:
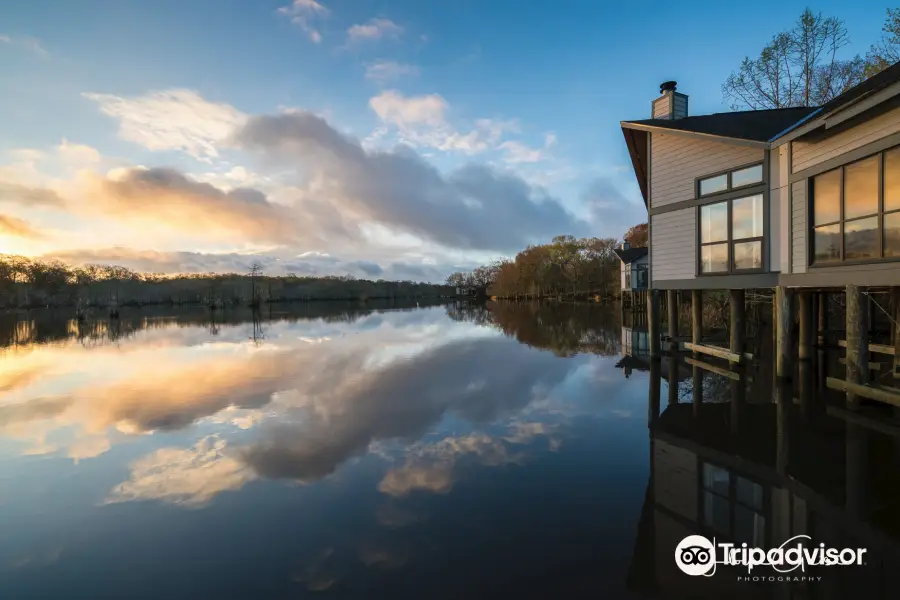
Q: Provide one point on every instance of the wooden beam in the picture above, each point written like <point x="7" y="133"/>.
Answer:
<point x="713" y="351"/>
<point x="872" y="366"/>
<point x="713" y="369"/>
<point x="876" y="348"/>
<point x="873" y="392"/>
<point x="857" y="345"/>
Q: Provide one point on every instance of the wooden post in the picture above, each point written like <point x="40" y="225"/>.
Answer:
<point x="697" y="380"/>
<point x="737" y="321"/>
<point x="806" y="326"/>
<point x="655" y="385"/>
<point x="673" y="380"/>
<point x="784" y="401"/>
<point x="895" y="328"/>
<point x="697" y="316"/>
<point x="857" y="340"/>
<point x="672" y="298"/>
<point x="738" y="397"/>
<point x="653" y="324"/>
<point x="823" y="316"/>
<point x="785" y="319"/>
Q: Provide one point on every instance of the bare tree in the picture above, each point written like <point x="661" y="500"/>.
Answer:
<point x="799" y="67"/>
<point x="887" y="51"/>
<point x="256" y="270"/>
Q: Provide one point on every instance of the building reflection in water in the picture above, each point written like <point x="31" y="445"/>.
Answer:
<point x="742" y="465"/>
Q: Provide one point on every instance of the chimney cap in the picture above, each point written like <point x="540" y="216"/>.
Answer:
<point x="667" y="86"/>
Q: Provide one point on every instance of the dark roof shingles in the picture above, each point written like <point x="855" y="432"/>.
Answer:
<point x="630" y="255"/>
<point x="755" y="125"/>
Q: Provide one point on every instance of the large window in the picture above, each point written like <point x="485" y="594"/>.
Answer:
<point x="733" y="505"/>
<point x="731" y="235"/>
<point x="731" y="180"/>
<point x="856" y="210"/>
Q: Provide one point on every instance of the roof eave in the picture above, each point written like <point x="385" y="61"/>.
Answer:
<point x="696" y="134"/>
<point x="639" y="162"/>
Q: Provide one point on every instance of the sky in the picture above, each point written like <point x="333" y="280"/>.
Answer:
<point x="394" y="139"/>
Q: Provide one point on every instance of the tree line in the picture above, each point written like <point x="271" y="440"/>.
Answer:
<point x="567" y="266"/>
<point x="28" y="282"/>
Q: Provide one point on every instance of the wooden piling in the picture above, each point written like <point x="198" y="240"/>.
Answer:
<point x="697" y="316"/>
<point x="737" y="321"/>
<point x="806" y="326"/>
<point x="857" y="342"/>
<point x="672" y="301"/>
<point x="655" y="389"/>
<point x="653" y="324"/>
<point x="895" y="327"/>
<point x="784" y="320"/>
<point x="822" y="314"/>
<point x="673" y="381"/>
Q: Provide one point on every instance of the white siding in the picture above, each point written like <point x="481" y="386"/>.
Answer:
<point x="675" y="479"/>
<point x="677" y="160"/>
<point x="779" y="211"/>
<point x="622" y="274"/>
<point x="799" y="223"/>
<point x="809" y="154"/>
<point x="674" y="253"/>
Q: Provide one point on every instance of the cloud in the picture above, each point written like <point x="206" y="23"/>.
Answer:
<point x="384" y="71"/>
<point x="421" y="121"/>
<point x="307" y="263"/>
<point x="431" y="467"/>
<point x="29" y="44"/>
<point x="15" y="227"/>
<point x="13" y="193"/>
<point x="472" y="207"/>
<point x="375" y="29"/>
<point x="304" y="14"/>
<point x="176" y="201"/>
<point x="351" y="406"/>
<point x="190" y="477"/>
<point x="517" y="152"/>
<point x="174" y="119"/>
<point x="610" y="209"/>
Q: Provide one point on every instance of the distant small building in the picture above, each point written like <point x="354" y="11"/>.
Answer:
<point x="634" y="267"/>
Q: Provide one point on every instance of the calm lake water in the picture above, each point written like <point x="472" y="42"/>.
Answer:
<point x="424" y="452"/>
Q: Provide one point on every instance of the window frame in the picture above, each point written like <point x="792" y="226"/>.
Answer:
<point x="879" y="215"/>
<point x="731" y="241"/>
<point x="730" y="187"/>
<point x="765" y="510"/>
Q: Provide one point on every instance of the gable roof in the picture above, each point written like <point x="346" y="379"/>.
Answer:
<point x="630" y="255"/>
<point x="866" y="88"/>
<point x="753" y="125"/>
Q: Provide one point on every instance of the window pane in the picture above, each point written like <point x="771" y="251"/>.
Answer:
<point x="749" y="527"/>
<point x="715" y="512"/>
<point x="714" y="259"/>
<point x="749" y="493"/>
<point x="827" y="243"/>
<point x="892" y="179"/>
<point x="748" y="255"/>
<point x="747" y="217"/>
<point x="715" y="479"/>
<point x="719" y="183"/>
<point x="827" y="197"/>
<point x="861" y="188"/>
<point x="861" y="238"/>
<point x="892" y="234"/>
<point x="746" y="176"/>
<point x="714" y="223"/>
